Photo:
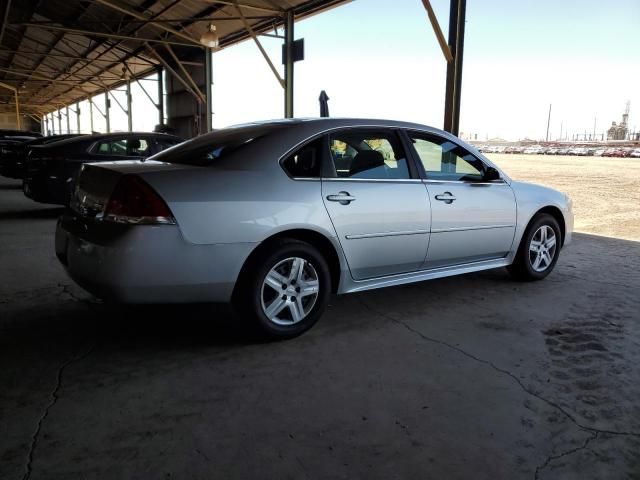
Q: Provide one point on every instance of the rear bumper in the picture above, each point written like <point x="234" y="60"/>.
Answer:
<point x="145" y="263"/>
<point x="45" y="189"/>
<point x="11" y="169"/>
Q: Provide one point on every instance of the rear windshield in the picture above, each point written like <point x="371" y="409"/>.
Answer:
<point x="210" y="148"/>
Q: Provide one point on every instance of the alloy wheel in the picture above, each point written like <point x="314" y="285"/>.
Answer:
<point x="289" y="291"/>
<point x="542" y="248"/>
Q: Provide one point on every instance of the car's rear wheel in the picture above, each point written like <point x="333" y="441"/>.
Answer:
<point x="539" y="249"/>
<point x="285" y="290"/>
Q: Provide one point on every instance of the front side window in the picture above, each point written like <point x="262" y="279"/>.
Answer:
<point x="305" y="162"/>
<point x="368" y="155"/>
<point x="445" y="160"/>
<point x="125" y="147"/>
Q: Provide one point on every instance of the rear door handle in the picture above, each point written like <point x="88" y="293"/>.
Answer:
<point x="446" y="197"/>
<point x="342" y="197"/>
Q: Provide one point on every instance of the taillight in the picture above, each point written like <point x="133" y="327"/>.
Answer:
<point x="134" y="201"/>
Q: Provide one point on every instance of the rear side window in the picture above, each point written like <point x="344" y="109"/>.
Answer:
<point x="125" y="147"/>
<point x="369" y="155"/>
<point x="305" y="162"/>
<point x="209" y="149"/>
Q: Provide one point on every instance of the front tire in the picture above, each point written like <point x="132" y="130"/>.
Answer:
<point x="285" y="290"/>
<point x="539" y="249"/>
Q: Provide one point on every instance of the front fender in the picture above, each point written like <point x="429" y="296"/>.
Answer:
<point x="530" y="199"/>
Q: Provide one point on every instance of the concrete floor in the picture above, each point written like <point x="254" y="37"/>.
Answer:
<point x="470" y="377"/>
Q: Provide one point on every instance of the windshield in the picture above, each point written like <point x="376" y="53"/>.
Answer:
<point x="210" y="148"/>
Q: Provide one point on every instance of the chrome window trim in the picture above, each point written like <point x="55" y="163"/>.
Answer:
<point x="386" y="234"/>
<point x="371" y="180"/>
<point x="504" y="177"/>
<point x="471" y="182"/>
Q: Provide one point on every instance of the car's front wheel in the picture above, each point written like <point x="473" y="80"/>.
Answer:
<point x="539" y="249"/>
<point x="286" y="290"/>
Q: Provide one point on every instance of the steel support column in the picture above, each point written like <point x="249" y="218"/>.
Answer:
<point x="288" y="64"/>
<point x="59" y="121"/>
<point x="457" y="15"/>
<point x="208" y="80"/>
<point x="66" y="109"/>
<point x="160" y="96"/>
<point x="129" y="112"/>
<point x="106" y="111"/>
<point x="90" y="115"/>
<point x="78" y="116"/>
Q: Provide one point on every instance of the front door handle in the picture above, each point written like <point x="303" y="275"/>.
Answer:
<point x="342" y="197"/>
<point x="446" y="197"/>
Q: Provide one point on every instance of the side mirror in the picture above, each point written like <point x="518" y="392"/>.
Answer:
<point x="491" y="174"/>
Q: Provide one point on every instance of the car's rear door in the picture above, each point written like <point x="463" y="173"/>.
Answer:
<point x="377" y="203"/>
<point x="471" y="219"/>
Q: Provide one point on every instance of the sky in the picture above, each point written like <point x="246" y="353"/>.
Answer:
<point x="378" y="61"/>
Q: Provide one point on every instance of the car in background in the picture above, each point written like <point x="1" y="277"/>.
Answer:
<point x="616" y="152"/>
<point x="275" y="216"/>
<point x="563" y="151"/>
<point x="598" y="152"/>
<point x="13" y="156"/>
<point x="51" y="169"/>
<point x="635" y="153"/>
<point x="551" y="151"/>
<point x="11" y="133"/>
<point x="533" y="150"/>
<point x="580" y="151"/>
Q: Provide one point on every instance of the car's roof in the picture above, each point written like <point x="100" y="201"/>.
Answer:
<point x="294" y="129"/>
<point x="329" y="122"/>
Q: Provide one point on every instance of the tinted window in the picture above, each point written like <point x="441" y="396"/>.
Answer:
<point x="368" y="154"/>
<point x="305" y="162"/>
<point x="164" y="143"/>
<point x="212" y="147"/>
<point x="444" y="160"/>
<point x="126" y="147"/>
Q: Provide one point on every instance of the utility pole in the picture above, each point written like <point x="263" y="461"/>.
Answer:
<point x="561" y="122"/>
<point x="548" y="122"/>
<point x="594" y="127"/>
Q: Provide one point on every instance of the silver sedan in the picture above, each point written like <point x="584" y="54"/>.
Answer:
<point x="276" y="216"/>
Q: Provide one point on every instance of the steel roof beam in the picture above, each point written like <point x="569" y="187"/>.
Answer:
<point x="76" y="31"/>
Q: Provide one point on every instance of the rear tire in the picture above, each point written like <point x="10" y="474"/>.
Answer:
<point x="285" y="290"/>
<point x="539" y="249"/>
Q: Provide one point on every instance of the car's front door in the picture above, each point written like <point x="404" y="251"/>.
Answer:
<point x="378" y="205"/>
<point x="472" y="219"/>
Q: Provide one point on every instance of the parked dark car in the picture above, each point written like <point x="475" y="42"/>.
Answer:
<point x="7" y="133"/>
<point x="52" y="169"/>
<point x="13" y="155"/>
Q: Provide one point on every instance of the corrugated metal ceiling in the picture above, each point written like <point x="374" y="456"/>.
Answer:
<point x="53" y="65"/>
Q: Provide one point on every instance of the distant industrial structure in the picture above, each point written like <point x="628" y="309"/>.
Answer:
<point x="620" y="132"/>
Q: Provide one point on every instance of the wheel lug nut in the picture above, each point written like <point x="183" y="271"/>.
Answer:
<point x="297" y="289"/>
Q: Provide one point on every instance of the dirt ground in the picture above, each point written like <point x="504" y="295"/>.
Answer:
<point x="605" y="191"/>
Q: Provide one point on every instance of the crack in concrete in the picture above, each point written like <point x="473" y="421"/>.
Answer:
<point x="527" y="390"/>
<point x="53" y="400"/>
<point x="551" y="458"/>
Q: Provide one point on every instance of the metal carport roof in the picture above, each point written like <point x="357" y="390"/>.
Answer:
<point x="57" y="52"/>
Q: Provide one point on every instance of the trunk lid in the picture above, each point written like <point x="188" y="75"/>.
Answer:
<point x="97" y="181"/>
